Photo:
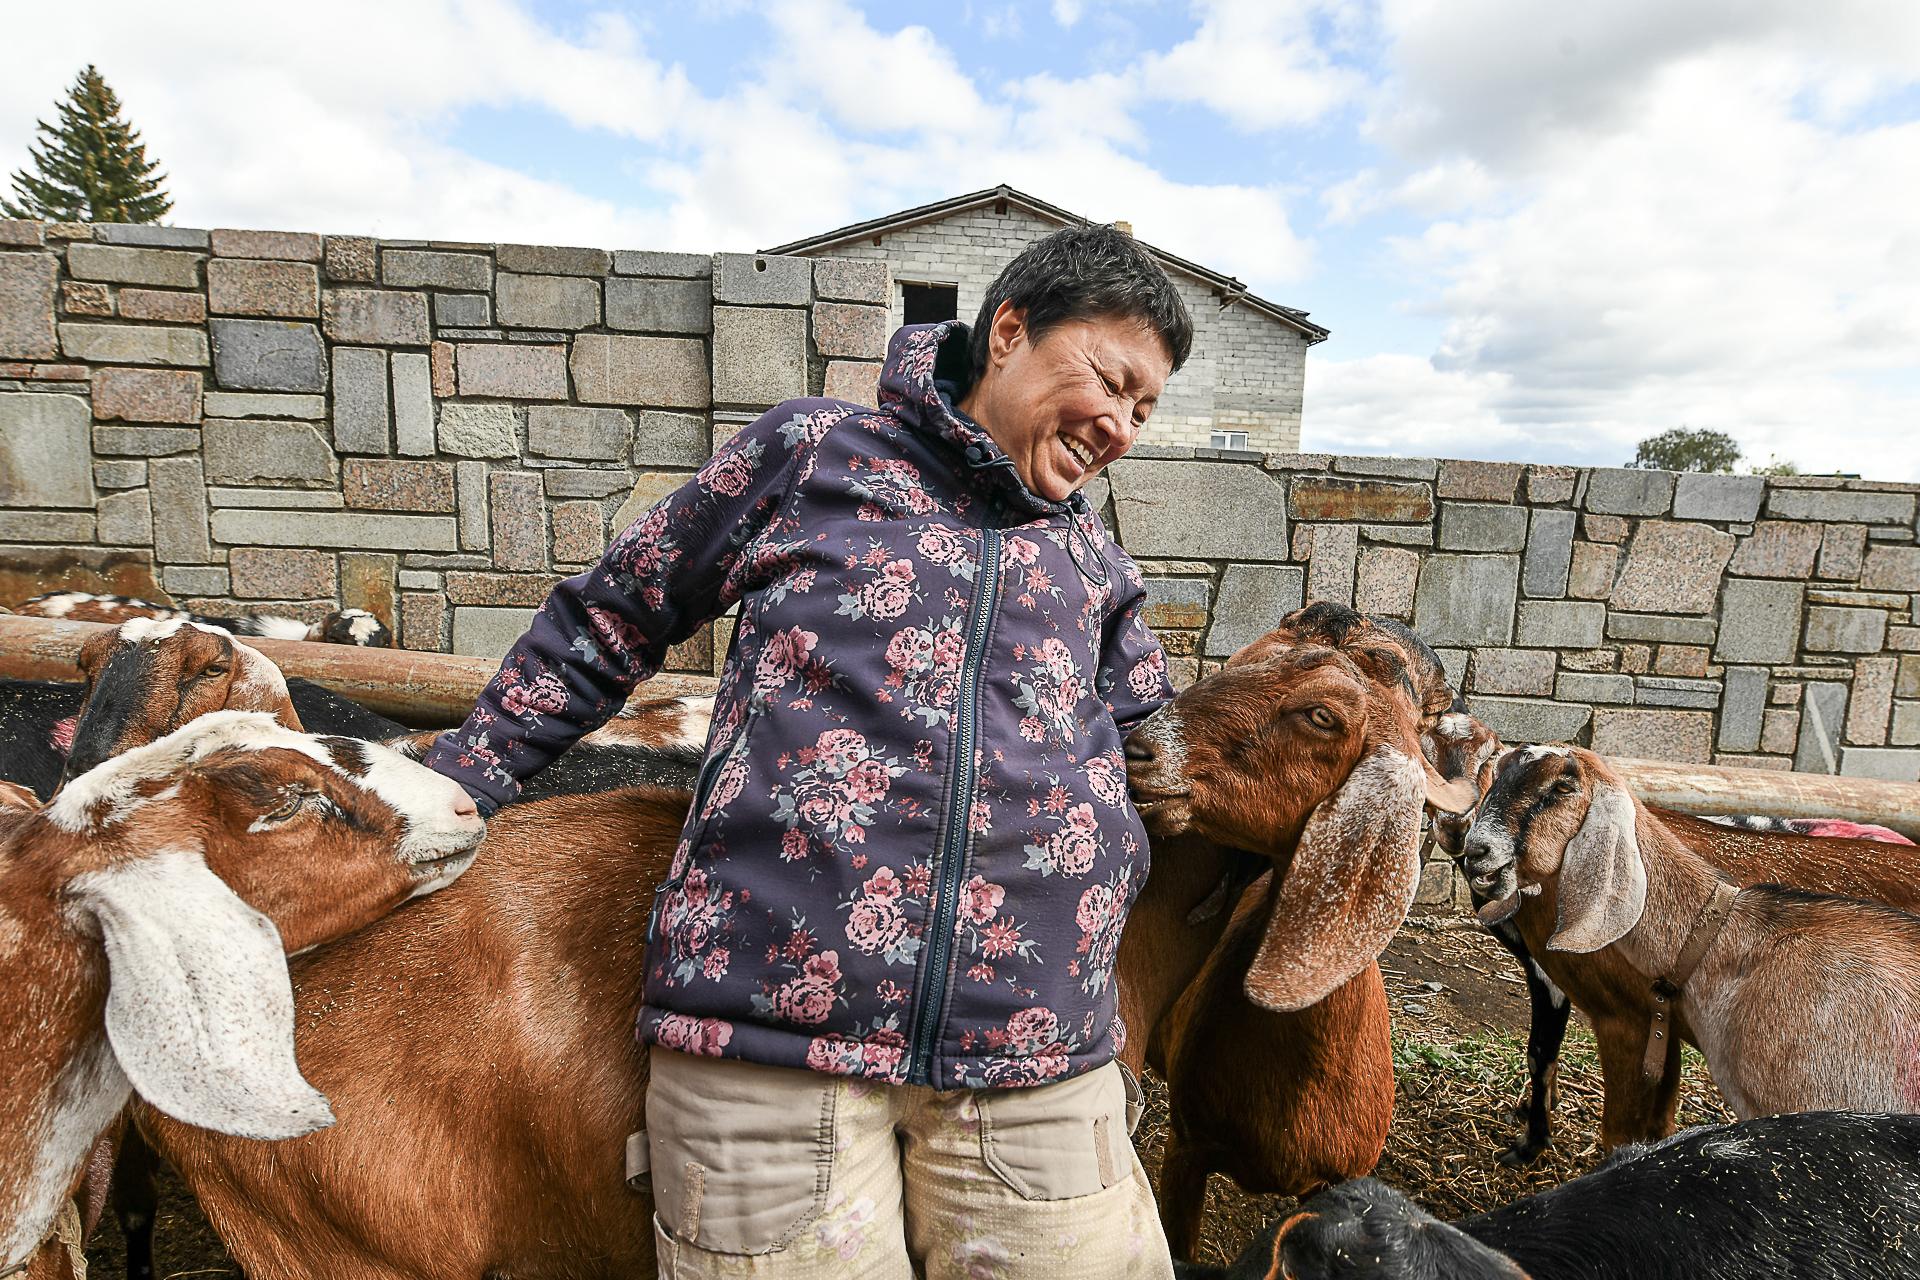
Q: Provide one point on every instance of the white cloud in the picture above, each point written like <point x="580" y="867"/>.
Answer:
<point x="1688" y="225"/>
<point x="1505" y="79"/>
<point x="871" y="81"/>
<point x="266" y="118"/>
<point x="1618" y="218"/>
<point x="1402" y="404"/>
<point x="271" y="118"/>
<point x="1256" y="63"/>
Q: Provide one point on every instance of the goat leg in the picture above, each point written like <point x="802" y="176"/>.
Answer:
<point x="136" y="1201"/>
<point x="1183" y="1194"/>
<point x="1548" y="1010"/>
<point x="1632" y="1110"/>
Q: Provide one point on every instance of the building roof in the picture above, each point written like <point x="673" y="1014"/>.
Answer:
<point x="1228" y="289"/>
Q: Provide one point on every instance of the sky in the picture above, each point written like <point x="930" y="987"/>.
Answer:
<point x="1538" y="231"/>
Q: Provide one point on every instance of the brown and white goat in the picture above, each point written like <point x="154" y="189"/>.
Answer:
<point x="1616" y="999"/>
<point x="145" y="914"/>
<point x="146" y="678"/>
<point x="479" y="1054"/>
<point x="1297" y="754"/>
<point x="1800" y="1001"/>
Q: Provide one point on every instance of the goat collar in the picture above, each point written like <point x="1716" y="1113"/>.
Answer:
<point x="1666" y="988"/>
<point x="72" y="1237"/>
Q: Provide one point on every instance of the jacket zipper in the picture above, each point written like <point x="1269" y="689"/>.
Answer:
<point x="962" y="782"/>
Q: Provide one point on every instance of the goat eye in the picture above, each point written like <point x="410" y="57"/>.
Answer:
<point x="291" y="803"/>
<point x="1565" y="786"/>
<point x="217" y="669"/>
<point x="1324" y="718"/>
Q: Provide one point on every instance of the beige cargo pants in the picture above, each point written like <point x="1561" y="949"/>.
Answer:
<point x="770" y="1171"/>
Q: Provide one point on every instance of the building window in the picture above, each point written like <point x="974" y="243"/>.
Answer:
<point x="930" y="303"/>
<point x="1229" y="439"/>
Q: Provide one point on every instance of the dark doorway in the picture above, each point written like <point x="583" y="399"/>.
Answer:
<point x="930" y="303"/>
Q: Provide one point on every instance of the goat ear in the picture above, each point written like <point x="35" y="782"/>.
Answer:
<point x="1603" y="880"/>
<point x="1349" y="887"/>
<point x="1456" y="795"/>
<point x="199" y="1004"/>
<point x="258" y="673"/>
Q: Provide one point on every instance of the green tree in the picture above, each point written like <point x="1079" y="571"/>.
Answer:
<point x="1775" y="465"/>
<point x="91" y="166"/>
<point x="1688" y="449"/>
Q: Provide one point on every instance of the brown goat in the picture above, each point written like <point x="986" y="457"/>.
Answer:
<point x="1616" y="1000"/>
<point x="1800" y="1001"/>
<point x="145" y="913"/>
<point x="146" y="678"/>
<point x="479" y="1053"/>
<point x="1282" y="1103"/>
<point x="1248" y="1128"/>
<point x="1291" y="752"/>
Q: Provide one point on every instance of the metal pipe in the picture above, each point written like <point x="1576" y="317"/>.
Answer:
<point x="1715" y="789"/>
<point x="421" y="689"/>
<point x="429" y="689"/>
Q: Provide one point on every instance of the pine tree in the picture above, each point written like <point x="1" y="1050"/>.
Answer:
<point x="92" y="167"/>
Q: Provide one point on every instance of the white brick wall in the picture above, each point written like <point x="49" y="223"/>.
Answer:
<point x="1246" y="372"/>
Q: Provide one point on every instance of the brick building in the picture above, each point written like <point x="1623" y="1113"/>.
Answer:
<point x="1242" y="387"/>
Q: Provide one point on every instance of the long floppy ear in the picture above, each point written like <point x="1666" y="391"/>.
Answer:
<point x="258" y="676"/>
<point x="199" y="1004"/>
<point x="1448" y="795"/>
<point x="1352" y="879"/>
<point x="1603" y="880"/>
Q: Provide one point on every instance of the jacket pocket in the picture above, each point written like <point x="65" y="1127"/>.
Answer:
<point x="1058" y="1141"/>
<point x="709" y="776"/>
<point x="742" y="1153"/>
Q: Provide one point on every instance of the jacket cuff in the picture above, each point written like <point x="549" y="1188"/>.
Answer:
<point x="444" y="762"/>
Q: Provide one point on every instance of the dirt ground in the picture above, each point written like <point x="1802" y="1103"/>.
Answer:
<point x="1460" y="1021"/>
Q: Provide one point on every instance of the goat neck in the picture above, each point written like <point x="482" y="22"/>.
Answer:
<point x="1679" y="885"/>
<point x="61" y="1084"/>
<point x="1172" y="928"/>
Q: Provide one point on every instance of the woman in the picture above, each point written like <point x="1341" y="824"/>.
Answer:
<point x="879" y="983"/>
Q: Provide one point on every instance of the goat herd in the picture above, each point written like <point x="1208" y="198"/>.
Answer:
<point x="205" y="964"/>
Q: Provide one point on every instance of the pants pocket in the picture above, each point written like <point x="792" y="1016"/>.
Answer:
<point x="1058" y="1141"/>
<point x="742" y="1154"/>
<point x="1136" y="1098"/>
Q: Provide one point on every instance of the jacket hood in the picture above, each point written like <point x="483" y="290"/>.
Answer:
<point x="927" y="372"/>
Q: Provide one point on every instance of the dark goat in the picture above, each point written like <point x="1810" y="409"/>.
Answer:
<point x="38" y="719"/>
<point x="36" y="727"/>
<point x="1824" y="1195"/>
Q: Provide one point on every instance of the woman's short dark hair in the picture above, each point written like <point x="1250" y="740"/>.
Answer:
<point x="1085" y="273"/>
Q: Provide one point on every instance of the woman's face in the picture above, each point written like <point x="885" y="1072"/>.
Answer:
<point x="1067" y="405"/>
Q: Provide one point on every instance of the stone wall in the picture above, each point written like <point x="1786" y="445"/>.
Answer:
<point x="288" y="422"/>
<point x="436" y="432"/>
<point x="1247" y="372"/>
<point x="1766" y="623"/>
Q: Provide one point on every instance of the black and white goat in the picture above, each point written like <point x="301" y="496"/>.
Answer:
<point x="1825" y="1195"/>
<point x="342" y="626"/>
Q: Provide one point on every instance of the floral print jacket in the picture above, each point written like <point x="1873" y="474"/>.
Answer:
<point x="911" y="848"/>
